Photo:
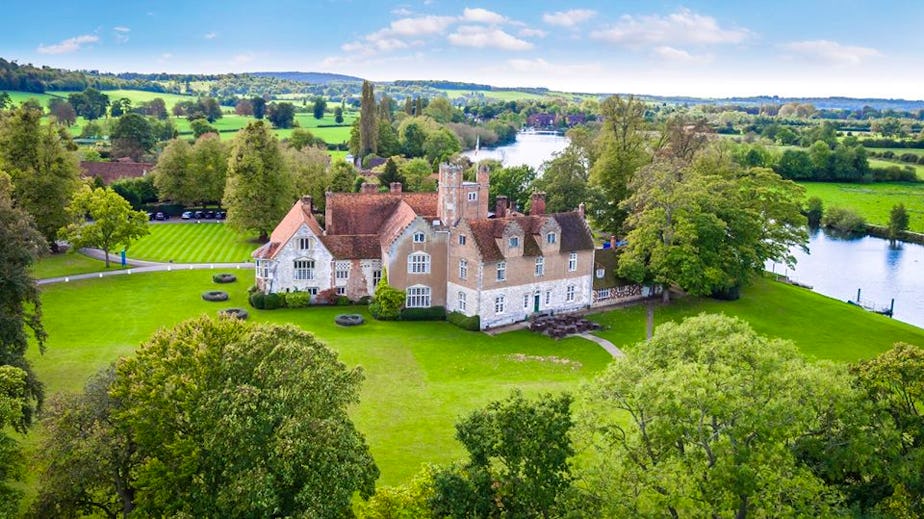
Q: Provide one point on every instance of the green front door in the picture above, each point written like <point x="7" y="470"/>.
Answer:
<point x="536" y="303"/>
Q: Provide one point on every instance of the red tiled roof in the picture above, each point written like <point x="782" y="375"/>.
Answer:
<point x="297" y="216"/>
<point x="353" y="246"/>
<point x="400" y="218"/>
<point x="574" y="234"/>
<point x="109" y="172"/>
<point x="364" y="213"/>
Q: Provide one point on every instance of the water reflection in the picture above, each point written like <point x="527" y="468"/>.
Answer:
<point x="530" y="149"/>
<point x="838" y="266"/>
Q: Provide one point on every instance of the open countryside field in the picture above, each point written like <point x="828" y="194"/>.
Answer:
<point x="21" y="97"/>
<point x="422" y="376"/>
<point x="191" y="242"/>
<point x="873" y="201"/>
<point x="142" y="96"/>
<point x="880" y="163"/>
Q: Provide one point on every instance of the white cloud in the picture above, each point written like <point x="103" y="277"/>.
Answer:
<point x="681" y="27"/>
<point x="480" y="15"/>
<point x="484" y="37"/>
<point x="69" y="45"/>
<point x="120" y="33"/>
<point x="569" y="18"/>
<point x="210" y="35"/>
<point x="402" y="11"/>
<point x="831" y="52"/>
<point x="528" y="32"/>
<point x="121" y="28"/>
<point x="669" y="53"/>
<point x="417" y="26"/>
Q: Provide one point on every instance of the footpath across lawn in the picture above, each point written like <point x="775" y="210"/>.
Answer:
<point x="190" y="242"/>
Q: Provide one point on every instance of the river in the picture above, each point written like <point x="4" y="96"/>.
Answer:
<point x="530" y="149"/>
<point x="835" y="267"/>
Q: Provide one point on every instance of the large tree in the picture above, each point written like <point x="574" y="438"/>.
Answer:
<point x="707" y="226"/>
<point x="239" y="420"/>
<point x="258" y="192"/>
<point x="564" y="180"/>
<point x="172" y="174"/>
<point x="104" y="220"/>
<point x="318" y="107"/>
<point x="621" y="150"/>
<point x="308" y="166"/>
<point x="90" y="104"/>
<point x="45" y="175"/>
<point x="281" y="115"/>
<point x="514" y="182"/>
<point x="132" y="136"/>
<point x="700" y="421"/>
<point x="368" y="125"/>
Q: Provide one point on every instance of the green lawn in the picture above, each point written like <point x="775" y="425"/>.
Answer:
<point x="881" y="163"/>
<point x="142" y="96"/>
<point x="68" y="264"/>
<point x="193" y="243"/>
<point x="873" y="201"/>
<point x="43" y="99"/>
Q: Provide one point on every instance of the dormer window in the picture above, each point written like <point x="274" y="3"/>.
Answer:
<point x="304" y="244"/>
<point x="550" y="238"/>
<point x="513" y="242"/>
<point x="418" y="237"/>
<point x="600" y="273"/>
<point x="472" y="196"/>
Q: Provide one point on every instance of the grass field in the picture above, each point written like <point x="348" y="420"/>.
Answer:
<point x="873" y="201"/>
<point x="192" y="243"/>
<point x="499" y="95"/>
<point x="880" y="163"/>
<point x="21" y="97"/>
<point x="68" y="264"/>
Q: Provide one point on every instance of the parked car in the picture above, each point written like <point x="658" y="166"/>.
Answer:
<point x="197" y="215"/>
<point x="160" y="216"/>
<point x="150" y="215"/>
<point x="186" y="215"/>
<point x="219" y="215"/>
<point x="208" y="215"/>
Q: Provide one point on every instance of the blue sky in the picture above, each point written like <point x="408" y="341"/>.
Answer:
<point x="716" y="49"/>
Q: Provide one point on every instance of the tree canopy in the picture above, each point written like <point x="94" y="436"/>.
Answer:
<point x="112" y="222"/>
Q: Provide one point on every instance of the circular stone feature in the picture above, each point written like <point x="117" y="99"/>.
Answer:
<point x="224" y="278"/>
<point x="215" y="295"/>
<point x="238" y="313"/>
<point x="348" y="319"/>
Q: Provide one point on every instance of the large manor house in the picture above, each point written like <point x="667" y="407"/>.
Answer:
<point x="443" y="249"/>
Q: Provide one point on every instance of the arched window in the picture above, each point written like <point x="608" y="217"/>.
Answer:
<point x="418" y="263"/>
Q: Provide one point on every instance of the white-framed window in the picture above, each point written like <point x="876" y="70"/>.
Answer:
<point x="463" y="301"/>
<point x="419" y="237"/>
<point x="376" y="277"/>
<point x="418" y="297"/>
<point x="548" y="297"/>
<point x="461" y="239"/>
<point x="342" y="270"/>
<point x="500" y="304"/>
<point x="513" y="242"/>
<point x="550" y="238"/>
<point x="569" y="294"/>
<point x="463" y="268"/>
<point x="312" y="290"/>
<point x="263" y="268"/>
<point x="472" y="196"/>
<point x="572" y="262"/>
<point x="304" y="269"/>
<point x="418" y="263"/>
<point x="304" y="243"/>
<point x="540" y="266"/>
<point x="341" y="291"/>
<point x="526" y="298"/>
<point x="501" y="270"/>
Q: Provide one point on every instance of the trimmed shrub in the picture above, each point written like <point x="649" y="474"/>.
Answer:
<point x="387" y="302"/>
<point x="343" y="301"/>
<point x="224" y="278"/>
<point x="843" y="220"/>
<point x="434" y="313"/>
<point x="257" y="300"/>
<point x="364" y="300"/>
<point x="274" y="301"/>
<point x="215" y="295"/>
<point x="472" y="323"/>
<point x="298" y="299"/>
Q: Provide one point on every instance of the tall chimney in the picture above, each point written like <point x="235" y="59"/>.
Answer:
<point x="613" y="241"/>
<point x="537" y="204"/>
<point x="394" y="187"/>
<point x="369" y="187"/>
<point x="581" y="209"/>
<point x="306" y="204"/>
<point x="500" y="208"/>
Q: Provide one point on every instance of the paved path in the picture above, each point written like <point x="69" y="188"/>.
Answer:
<point x="607" y="345"/>
<point x="139" y="266"/>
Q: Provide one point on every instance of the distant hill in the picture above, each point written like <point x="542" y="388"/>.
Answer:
<point x="308" y="77"/>
<point x="829" y="103"/>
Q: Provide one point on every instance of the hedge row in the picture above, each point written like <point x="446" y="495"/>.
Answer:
<point x="434" y="313"/>
<point x="262" y="301"/>
<point x="465" y="322"/>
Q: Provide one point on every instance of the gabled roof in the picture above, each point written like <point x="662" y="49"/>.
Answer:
<point x="574" y="234"/>
<point x="400" y="218"/>
<point x="109" y="172"/>
<point x="353" y="246"/>
<point x="365" y="213"/>
<point x="299" y="215"/>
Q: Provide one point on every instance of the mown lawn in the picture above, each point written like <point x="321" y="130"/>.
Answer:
<point x="189" y="242"/>
<point x="68" y="264"/>
<point x="873" y="201"/>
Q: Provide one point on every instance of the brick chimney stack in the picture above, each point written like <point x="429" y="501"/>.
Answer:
<point x="369" y="187"/>
<point x="581" y="209"/>
<point x="537" y="204"/>
<point x="394" y="187"/>
<point x="613" y="241"/>
<point x="500" y="208"/>
<point x="307" y="204"/>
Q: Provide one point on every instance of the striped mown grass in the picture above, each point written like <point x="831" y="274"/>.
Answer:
<point x="190" y="242"/>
